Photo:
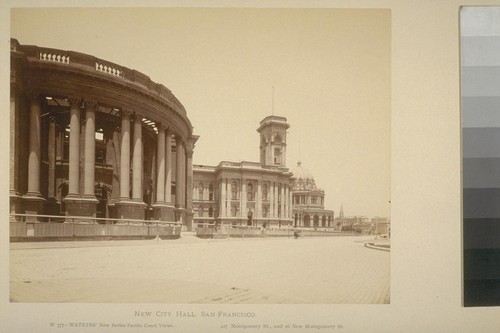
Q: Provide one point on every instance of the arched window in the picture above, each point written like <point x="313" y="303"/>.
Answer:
<point x="249" y="192"/>
<point x="210" y="212"/>
<point x="211" y="192"/>
<point x="277" y="156"/>
<point x="307" y="220"/>
<point x="200" y="211"/>
<point x="323" y="221"/>
<point x="316" y="220"/>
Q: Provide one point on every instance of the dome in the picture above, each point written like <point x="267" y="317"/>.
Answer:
<point x="304" y="181"/>
<point x="301" y="173"/>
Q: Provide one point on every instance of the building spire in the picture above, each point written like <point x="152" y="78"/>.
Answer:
<point x="341" y="213"/>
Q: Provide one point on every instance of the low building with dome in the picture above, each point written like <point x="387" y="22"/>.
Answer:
<point x="261" y="194"/>
<point x="308" y="201"/>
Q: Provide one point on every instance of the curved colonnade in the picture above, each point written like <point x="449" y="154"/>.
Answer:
<point x="93" y="138"/>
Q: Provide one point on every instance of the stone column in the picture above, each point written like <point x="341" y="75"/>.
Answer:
<point x="243" y="200"/>
<point x="283" y="213"/>
<point x="34" y="146"/>
<point x="168" y="166"/>
<point x="14" y="154"/>
<point x="289" y="200"/>
<point x="126" y="208"/>
<point x="268" y="153"/>
<point x="51" y="192"/>
<point x="179" y="179"/>
<point x="89" y="164"/>
<point x="178" y="173"/>
<point x="188" y="188"/>
<point x="272" y="152"/>
<point x="160" y="164"/>
<point x="74" y="148"/>
<point x="137" y="160"/>
<point x="85" y="205"/>
<point x="125" y="157"/>
<point x="258" y="202"/>
<point x="13" y="142"/>
<point x="33" y="200"/>
<point x="275" y="200"/>
<point x="222" y="199"/>
<point x="229" y="197"/>
<point x="52" y="205"/>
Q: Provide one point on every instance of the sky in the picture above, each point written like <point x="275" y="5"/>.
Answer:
<point x="330" y="69"/>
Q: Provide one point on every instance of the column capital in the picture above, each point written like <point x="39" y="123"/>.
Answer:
<point x="32" y="95"/>
<point x="90" y="105"/>
<point x="124" y="113"/>
<point x="178" y="139"/>
<point x="190" y="144"/>
<point x="74" y="101"/>
<point x="160" y="126"/>
<point x="138" y="115"/>
<point x="169" y="132"/>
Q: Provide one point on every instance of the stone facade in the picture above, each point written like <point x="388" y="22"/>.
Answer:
<point x="93" y="138"/>
<point x="264" y="193"/>
<point x="248" y="193"/>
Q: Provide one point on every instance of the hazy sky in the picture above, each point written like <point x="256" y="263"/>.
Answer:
<point x="330" y="69"/>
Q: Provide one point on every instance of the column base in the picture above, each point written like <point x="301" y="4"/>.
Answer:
<point x="52" y="207"/>
<point x="179" y="215"/>
<point x="128" y="209"/>
<point x="33" y="204"/>
<point x="164" y="212"/>
<point x="15" y="206"/>
<point x="189" y="220"/>
<point x="80" y="206"/>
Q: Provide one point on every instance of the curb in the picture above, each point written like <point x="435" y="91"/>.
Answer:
<point x="375" y="247"/>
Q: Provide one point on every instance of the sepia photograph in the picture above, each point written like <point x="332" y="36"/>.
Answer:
<point x="249" y="165"/>
<point x="200" y="155"/>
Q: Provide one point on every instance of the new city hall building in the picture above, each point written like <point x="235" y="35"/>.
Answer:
<point x="93" y="138"/>
<point x="90" y="138"/>
<point x="263" y="194"/>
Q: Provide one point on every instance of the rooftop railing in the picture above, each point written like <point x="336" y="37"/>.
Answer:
<point x="84" y="61"/>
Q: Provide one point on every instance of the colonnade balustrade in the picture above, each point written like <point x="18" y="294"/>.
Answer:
<point x="82" y="201"/>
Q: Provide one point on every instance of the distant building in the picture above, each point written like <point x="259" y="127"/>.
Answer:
<point x="308" y="201"/>
<point x="248" y="193"/>
<point x="382" y="225"/>
<point x="349" y="222"/>
<point x="261" y="193"/>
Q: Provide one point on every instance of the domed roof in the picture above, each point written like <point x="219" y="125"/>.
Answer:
<point x="301" y="173"/>
<point x="304" y="181"/>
